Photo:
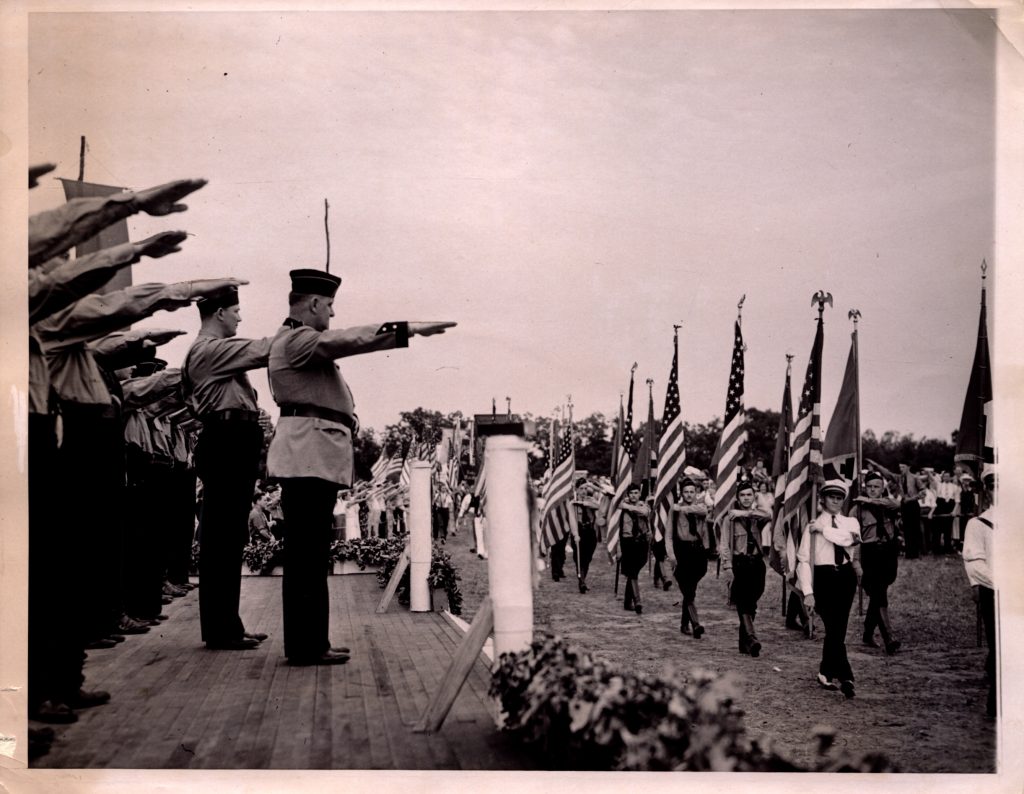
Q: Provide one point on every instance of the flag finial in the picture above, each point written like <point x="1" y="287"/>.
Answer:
<point x="675" y="329"/>
<point x="632" y="369"/>
<point x="821" y="298"/>
<point x="854" y="315"/>
<point x="984" y="267"/>
<point x="739" y="306"/>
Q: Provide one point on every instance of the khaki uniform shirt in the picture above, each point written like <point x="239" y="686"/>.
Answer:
<point x="302" y="371"/>
<point x="214" y="372"/>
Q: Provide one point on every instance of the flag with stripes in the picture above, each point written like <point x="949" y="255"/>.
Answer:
<point x="394" y="467"/>
<point x="559" y="516"/>
<point x="671" y="451"/>
<point x="780" y="467"/>
<point x="623" y="477"/>
<point x="645" y="470"/>
<point x="379" y="468"/>
<point x="734" y="433"/>
<point x="480" y="489"/>
<point x="617" y="442"/>
<point x="805" y="459"/>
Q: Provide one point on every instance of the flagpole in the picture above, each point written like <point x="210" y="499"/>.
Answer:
<point x="821" y="298"/>
<point x="855" y="315"/>
<point x="782" y="573"/>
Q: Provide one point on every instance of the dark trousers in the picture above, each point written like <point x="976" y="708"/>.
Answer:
<point x="557" y="557"/>
<point x="181" y="523"/>
<point x="634" y="558"/>
<point x="747" y="582"/>
<point x="942" y="533"/>
<point x="659" y="554"/>
<point x="834" y="589"/>
<point x="308" y="503"/>
<point x="910" y="512"/>
<point x="987" y="604"/>
<point x="880" y="562"/>
<point x="55" y="655"/>
<point x="584" y="550"/>
<point x="691" y="567"/>
<point x="91" y="460"/>
<point x="148" y="506"/>
<point x="227" y="461"/>
<point x="440" y="523"/>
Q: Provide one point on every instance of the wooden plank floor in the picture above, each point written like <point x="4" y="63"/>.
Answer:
<point x="177" y="705"/>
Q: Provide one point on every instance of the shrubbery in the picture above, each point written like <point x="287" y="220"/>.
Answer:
<point x="579" y="712"/>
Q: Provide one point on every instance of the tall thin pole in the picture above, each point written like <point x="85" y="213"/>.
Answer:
<point x="327" y="234"/>
<point x="81" y="161"/>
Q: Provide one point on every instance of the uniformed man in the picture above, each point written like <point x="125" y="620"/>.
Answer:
<point x="880" y="551"/>
<point x="978" y="564"/>
<point x="689" y="547"/>
<point x="743" y="561"/>
<point x="828" y="571"/>
<point x="311" y="453"/>
<point x="586" y="505"/>
<point x="635" y="542"/>
<point x="227" y="458"/>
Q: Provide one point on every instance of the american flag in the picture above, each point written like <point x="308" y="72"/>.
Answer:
<point x="379" y="468"/>
<point x="734" y="433"/>
<point x="778" y="558"/>
<point x="805" y="459"/>
<point x="480" y="489"/>
<point x="394" y="468"/>
<point x="671" y="451"/>
<point x="559" y="517"/>
<point x="645" y="470"/>
<point x="623" y="477"/>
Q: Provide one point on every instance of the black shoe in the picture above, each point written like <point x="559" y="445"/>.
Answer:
<point x="241" y="644"/>
<point x="847" y="688"/>
<point x="698" y="632"/>
<point x="869" y="641"/>
<point x="259" y="636"/>
<point x="54" y="712"/>
<point x="639" y="609"/>
<point x="755" y="649"/>
<point x="825" y="683"/>
<point x="892" y="646"/>
<point x="684" y="628"/>
<point x="666" y="585"/>
<point x="85" y="699"/>
<point x="330" y="657"/>
<point x="583" y="586"/>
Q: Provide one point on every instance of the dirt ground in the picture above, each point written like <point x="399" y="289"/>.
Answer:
<point x="923" y="707"/>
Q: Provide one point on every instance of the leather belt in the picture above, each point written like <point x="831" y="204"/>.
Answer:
<point x="317" y="412"/>
<point x="232" y="415"/>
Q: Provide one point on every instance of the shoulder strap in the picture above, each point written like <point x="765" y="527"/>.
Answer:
<point x="986" y="522"/>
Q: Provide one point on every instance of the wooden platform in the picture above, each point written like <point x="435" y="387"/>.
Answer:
<point x="176" y="704"/>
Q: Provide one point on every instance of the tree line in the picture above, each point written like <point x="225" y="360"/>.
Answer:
<point x="595" y="434"/>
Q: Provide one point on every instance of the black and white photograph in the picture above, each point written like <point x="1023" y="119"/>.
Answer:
<point x="502" y="388"/>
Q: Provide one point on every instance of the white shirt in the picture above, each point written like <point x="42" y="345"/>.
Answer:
<point x="978" y="551"/>
<point x="845" y="533"/>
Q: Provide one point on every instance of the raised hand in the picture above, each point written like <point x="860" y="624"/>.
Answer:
<point x="429" y="329"/>
<point x="206" y="287"/>
<point x="160" y="244"/>
<point x="162" y="200"/>
<point x="154" y="337"/>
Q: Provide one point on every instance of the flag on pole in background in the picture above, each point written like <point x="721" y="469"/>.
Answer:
<point x="839" y="450"/>
<point x="617" y="442"/>
<point x="805" y="459"/>
<point x="671" y="450"/>
<point x="645" y="470"/>
<point x="623" y="477"/>
<point x="734" y="432"/>
<point x="559" y="517"/>
<point x="974" y="444"/>
<point x="379" y="468"/>
<point x="780" y="468"/>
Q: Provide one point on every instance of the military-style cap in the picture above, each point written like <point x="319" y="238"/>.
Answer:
<point x="835" y="487"/>
<point x="873" y="476"/>
<point x="151" y="367"/>
<point x="743" y="484"/>
<point x="307" y="281"/>
<point x="222" y="300"/>
<point x="686" y="481"/>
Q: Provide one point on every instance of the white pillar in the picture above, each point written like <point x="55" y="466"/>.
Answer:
<point x="352" y="522"/>
<point x="509" y="565"/>
<point x="419" y="536"/>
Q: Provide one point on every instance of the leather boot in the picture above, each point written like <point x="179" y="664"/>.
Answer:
<point x="698" y="630"/>
<point x="754" y="647"/>
<point x="885" y="628"/>
<point x="627" y="601"/>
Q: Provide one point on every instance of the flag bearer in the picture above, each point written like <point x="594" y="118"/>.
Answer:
<point x="743" y="561"/>
<point x="880" y="551"/>
<point x="690" y="544"/>
<point x="828" y="571"/>
<point x="635" y="540"/>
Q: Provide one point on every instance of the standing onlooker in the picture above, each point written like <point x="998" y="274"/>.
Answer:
<point x="978" y="564"/>
<point x="910" y="511"/>
<point x="947" y="502"/>
<point x="926" y="494"/>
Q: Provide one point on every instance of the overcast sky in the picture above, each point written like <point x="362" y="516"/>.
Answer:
<point x="566" y="186"/>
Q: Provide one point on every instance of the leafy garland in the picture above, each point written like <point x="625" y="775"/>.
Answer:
<point x="380" y="553"/>
<point x="580" y="712"/>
